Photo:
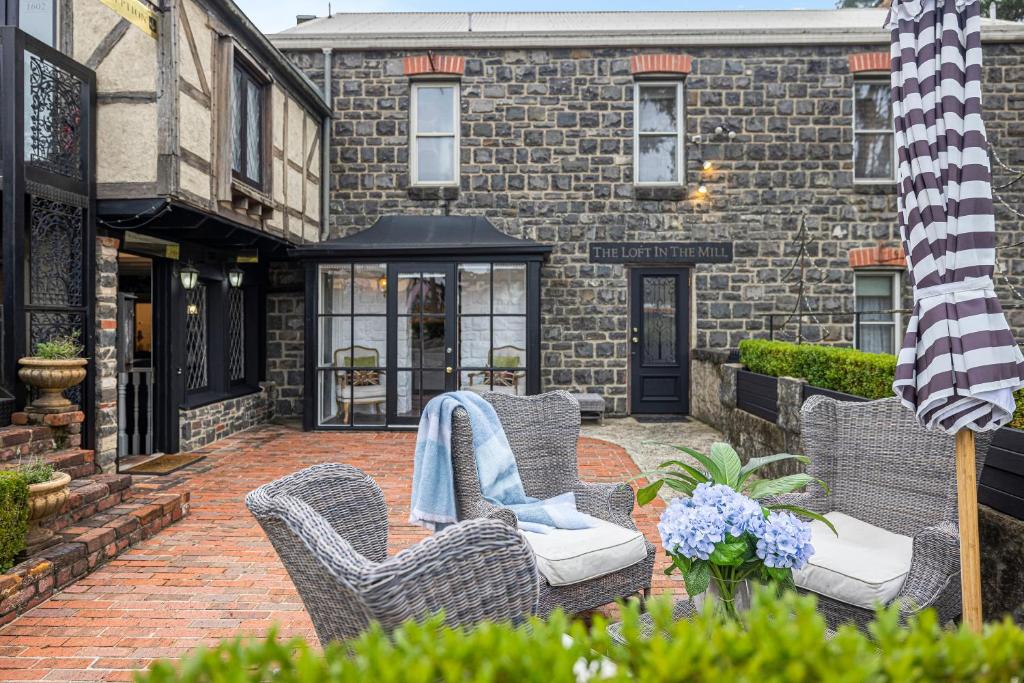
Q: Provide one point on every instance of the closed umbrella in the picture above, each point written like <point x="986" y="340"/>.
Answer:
<point x="959" y="363"/>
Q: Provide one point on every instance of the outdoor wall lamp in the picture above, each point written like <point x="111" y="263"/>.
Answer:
<point x="192" y="309"/>
<point x="235" y="277"/>
<point x="189" y="276"/>
<point x="382" y="283"/>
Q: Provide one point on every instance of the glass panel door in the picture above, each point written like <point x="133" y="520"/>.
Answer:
<point x="422" y="305"/>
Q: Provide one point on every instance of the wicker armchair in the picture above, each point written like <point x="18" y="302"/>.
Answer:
<point x="884" y="468"/>
<point x="329" y="525"/>
<point x="542" y="431"/>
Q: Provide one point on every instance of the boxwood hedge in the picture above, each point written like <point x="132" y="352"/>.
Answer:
<point x="833" y="367"/>
<point x="782" y="641"/>
<point x="13" y="517"/>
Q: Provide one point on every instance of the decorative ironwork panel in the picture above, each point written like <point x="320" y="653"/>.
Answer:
<point x="45" y="325"/>
<point x="54" y="117"/>
<point x="236" y="334"/>
<point x="659" y="320"/>
<point x="55" y="253"/>
<point x="196" y="376"/>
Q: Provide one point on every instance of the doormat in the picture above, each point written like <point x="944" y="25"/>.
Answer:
<point x="164" y="464"/>
<point x="655" y="419"/>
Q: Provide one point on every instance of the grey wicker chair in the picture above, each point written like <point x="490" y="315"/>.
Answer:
<point x="884" y="468"/>
<point x="542" y="431"/>
<point x="329" y="525"/>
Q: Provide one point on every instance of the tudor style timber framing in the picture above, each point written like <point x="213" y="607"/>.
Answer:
<point x="165" y="115"/>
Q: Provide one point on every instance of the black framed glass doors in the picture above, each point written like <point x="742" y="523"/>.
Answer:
<point x="391" y="336"/>
<point x="421" y="352"/>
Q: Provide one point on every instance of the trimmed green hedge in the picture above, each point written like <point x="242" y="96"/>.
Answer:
<point x="13" y="517"/>
<point x="782" y="641"/>
<point x="833" y="367"/>
<point x="828" y="367"/>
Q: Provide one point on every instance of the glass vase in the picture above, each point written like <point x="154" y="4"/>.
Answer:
<point x="730" y="597"/>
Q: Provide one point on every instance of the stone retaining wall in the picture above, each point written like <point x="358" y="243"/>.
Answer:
<point x="208" y="423"/>
<point x="713" y="400"/>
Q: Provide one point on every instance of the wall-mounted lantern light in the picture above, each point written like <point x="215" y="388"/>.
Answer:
<point x="235" y="277"/>
<point x="189" y="276"/>
<point x="192" y="309"/>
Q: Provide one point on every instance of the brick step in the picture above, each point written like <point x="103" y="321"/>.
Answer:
<point x="24" y="441"/>
<point x="77" y="462"/>
<point x="91" y="495"/>
<point x="90" y="543"/>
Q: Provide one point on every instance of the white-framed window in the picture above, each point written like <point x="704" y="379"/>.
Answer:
<point x="874" y="154"/>
<point x="658" y="129"/>
<point x="878" y="326"/>
<point x="434" y="133"/>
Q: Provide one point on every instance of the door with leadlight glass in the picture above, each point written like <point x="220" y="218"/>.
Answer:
<point x="659" y="341"/>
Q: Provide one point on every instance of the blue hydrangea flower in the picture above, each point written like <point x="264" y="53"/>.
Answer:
<point x="690" y="530"/>
<point x="784" y="541"/>
<point x="741" y="514"/>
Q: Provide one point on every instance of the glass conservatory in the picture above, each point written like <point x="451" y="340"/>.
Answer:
<point x="412" y="307"/>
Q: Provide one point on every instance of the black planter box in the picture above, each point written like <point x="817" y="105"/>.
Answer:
<point x="758" y="394"/>
<point x="1002" y="481"/>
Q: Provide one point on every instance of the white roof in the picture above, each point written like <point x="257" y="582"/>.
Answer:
<point x="403" y="30"/>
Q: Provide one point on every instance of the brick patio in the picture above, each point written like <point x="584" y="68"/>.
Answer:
<point x="214" y="575"/>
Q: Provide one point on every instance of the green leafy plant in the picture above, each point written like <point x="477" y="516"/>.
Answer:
<point x="13" y="517"/>
<point x="64" y="347"/>
<point x="720" y="533"/>
<point x="829" y="367"/>
<point x="36" y="471"/>
<point x="782" y="641"/>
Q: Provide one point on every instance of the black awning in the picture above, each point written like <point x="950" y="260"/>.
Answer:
<point x="158" y="217"/>
<point x="423" y="236"/>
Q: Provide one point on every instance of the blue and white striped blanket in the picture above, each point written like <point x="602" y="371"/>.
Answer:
<point x="433" y="486"/>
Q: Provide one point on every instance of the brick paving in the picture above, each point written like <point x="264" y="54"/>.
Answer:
<point x="214" y="575"/>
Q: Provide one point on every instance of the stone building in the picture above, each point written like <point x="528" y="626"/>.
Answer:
<point x="691" y="173"/>
<point x="170" y="154"/>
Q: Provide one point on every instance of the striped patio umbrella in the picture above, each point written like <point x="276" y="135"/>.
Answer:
<point x="959" y="363"/>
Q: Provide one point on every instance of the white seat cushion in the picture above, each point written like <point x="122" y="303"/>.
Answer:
<point x="368" y="392"/>
<point x="568" y="556"/>
<point x="863" y="566"/>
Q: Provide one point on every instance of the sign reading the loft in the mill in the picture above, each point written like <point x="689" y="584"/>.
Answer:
<point x="661" y="252"/>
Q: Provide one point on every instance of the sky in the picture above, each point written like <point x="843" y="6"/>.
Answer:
<point x="276" y="15"/>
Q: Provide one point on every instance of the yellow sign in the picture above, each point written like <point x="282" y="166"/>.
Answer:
<point x="136" y="12"/>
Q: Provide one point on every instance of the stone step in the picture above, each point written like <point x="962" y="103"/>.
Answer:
<point x="77" y="462"/>
<point x="90" y="543"/>
<point x="91" y="495"/>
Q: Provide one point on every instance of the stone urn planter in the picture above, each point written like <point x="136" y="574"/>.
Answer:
<point x="51" y="377"/>
<point x="44" y="500"/>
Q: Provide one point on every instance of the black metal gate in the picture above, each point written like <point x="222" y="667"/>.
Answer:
<point x="47" y="143"/>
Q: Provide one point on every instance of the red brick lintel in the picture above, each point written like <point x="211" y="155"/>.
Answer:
<point x="660" y="64"/>
<point x="877" y="257"/>
<point x="869" y="61"/>
<point x="418" y="65"/>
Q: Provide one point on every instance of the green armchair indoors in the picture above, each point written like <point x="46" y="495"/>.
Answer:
<point x="357" y="386"/>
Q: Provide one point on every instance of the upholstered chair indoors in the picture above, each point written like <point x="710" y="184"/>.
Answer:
<point x="329" y="525"/>
<point x="580" y="569"/>
<point x="893" y="501"/>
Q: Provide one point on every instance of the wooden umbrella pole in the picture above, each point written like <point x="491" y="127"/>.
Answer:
<point x="967" y="501"/>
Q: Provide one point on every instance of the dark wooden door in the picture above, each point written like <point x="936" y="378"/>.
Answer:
<point x="659" y="340"/>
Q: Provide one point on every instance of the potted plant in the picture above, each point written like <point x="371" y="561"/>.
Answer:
<point x="719" y="535"/>
<point x="57" y="365"/>
<point x="47" y="493"/>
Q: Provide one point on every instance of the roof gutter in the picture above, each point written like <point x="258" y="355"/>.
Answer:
<point x="709" y="38"/>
